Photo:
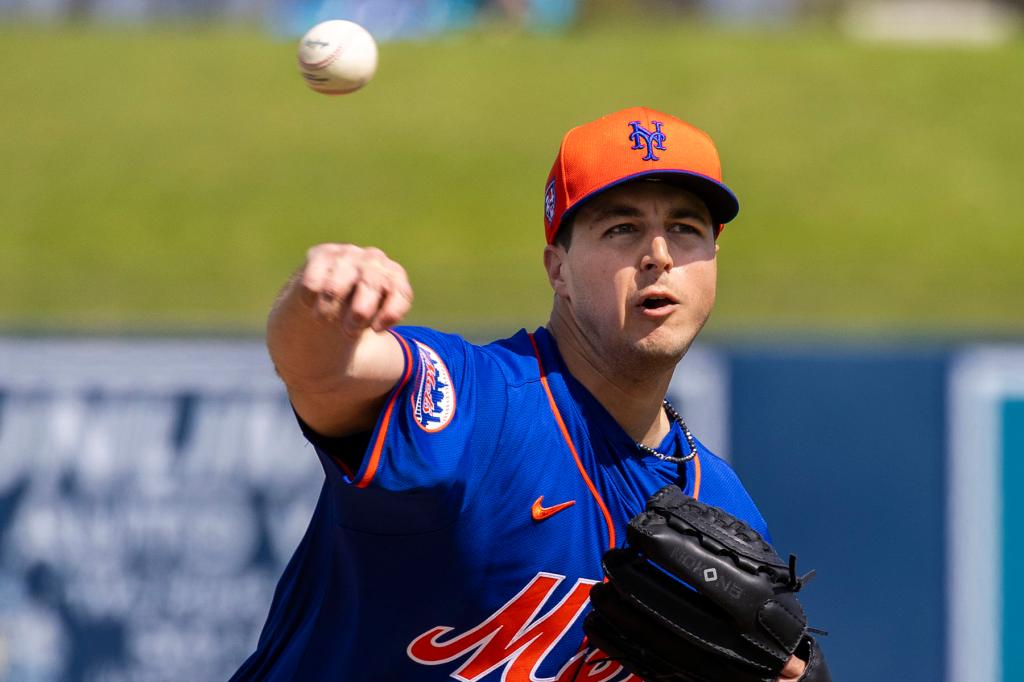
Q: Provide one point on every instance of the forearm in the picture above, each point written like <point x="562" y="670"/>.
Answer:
<point x="327" y="336"/>
<point x="311" y="353"/>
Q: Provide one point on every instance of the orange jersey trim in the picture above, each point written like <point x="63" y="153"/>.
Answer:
<point x="378" y="445"/>
<point x="572" y="447"/>
<point x="696" y="476"/>
<point x="345" y="469"/>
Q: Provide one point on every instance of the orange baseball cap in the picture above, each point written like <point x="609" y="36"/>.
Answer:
<point x="634" y="143"/>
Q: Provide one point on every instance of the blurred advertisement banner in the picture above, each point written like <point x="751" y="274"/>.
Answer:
<point x="150" y="494"/>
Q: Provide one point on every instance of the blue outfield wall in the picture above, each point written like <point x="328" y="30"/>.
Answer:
<point x="152" y="491"/>
<point x="844" y="451"/>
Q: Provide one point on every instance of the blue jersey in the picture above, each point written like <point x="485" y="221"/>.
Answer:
<point x="466" y="544"/>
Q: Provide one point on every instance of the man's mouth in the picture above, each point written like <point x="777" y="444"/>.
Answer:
<point x="658" y="304"/>
<point x="655" y="302"/>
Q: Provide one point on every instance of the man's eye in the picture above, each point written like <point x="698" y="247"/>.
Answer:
<point x="686" y="228"/>
<point x="622" y="228"/>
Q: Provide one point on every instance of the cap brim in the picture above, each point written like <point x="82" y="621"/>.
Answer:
<point x="721" y="202"/>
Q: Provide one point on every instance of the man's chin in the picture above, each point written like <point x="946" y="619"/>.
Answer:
<point x="661" y="353"/>
<point x="663" y="345"/>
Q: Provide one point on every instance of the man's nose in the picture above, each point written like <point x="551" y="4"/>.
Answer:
<point x="657" y="256"/>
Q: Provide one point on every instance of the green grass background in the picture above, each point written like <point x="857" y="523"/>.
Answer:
<point x="171" y="179"/>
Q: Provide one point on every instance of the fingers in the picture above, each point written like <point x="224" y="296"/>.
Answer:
<point x="363" y="305"/>
<point x="393" y="309"/>
<point x="358" y="288"/>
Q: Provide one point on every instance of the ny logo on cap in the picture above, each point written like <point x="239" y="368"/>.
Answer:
<point x="641" y="137"/>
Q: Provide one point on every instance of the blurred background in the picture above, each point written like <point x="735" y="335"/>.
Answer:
<point x="164" y="169"/>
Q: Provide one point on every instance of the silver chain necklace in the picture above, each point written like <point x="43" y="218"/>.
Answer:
<point x="674" y="416"/>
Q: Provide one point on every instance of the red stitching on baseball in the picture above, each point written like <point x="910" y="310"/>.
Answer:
<point x="323" y="62"/>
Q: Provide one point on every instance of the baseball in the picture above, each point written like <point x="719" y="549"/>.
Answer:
<point x="337" y="57"/>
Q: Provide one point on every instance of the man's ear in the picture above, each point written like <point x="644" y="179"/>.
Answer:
<point x="554" y="262"/>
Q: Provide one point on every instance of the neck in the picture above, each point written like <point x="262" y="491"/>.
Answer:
<point x="632" y="393"/>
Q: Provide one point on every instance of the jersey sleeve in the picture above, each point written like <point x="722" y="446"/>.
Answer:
<point x="442" y="416"/>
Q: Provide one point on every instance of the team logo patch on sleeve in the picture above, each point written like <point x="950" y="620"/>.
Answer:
<point x="433" y="397"/>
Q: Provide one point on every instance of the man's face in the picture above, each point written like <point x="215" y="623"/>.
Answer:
<point x="639" y="276"/>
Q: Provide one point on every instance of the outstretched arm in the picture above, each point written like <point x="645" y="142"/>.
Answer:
<point x="327" y="336"/>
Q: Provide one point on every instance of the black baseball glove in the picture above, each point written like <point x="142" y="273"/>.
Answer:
<point x="699" y="596"/>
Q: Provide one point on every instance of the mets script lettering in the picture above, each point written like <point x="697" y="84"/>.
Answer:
<point x="642" y="137"/>
<point x="517" y="637"/>
<point x="431" y="396"/>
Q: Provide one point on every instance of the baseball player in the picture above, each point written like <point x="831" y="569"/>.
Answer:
<point x="471" y="491"/>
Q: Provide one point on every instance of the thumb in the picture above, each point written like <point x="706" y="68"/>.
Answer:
<point x="793" y="670"/>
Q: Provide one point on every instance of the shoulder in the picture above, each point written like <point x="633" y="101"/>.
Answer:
<point x="441" y="343"/>
<point x="721" y="486"/>
<point x="452" y="380"/>
<point x="514" y="358"/>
